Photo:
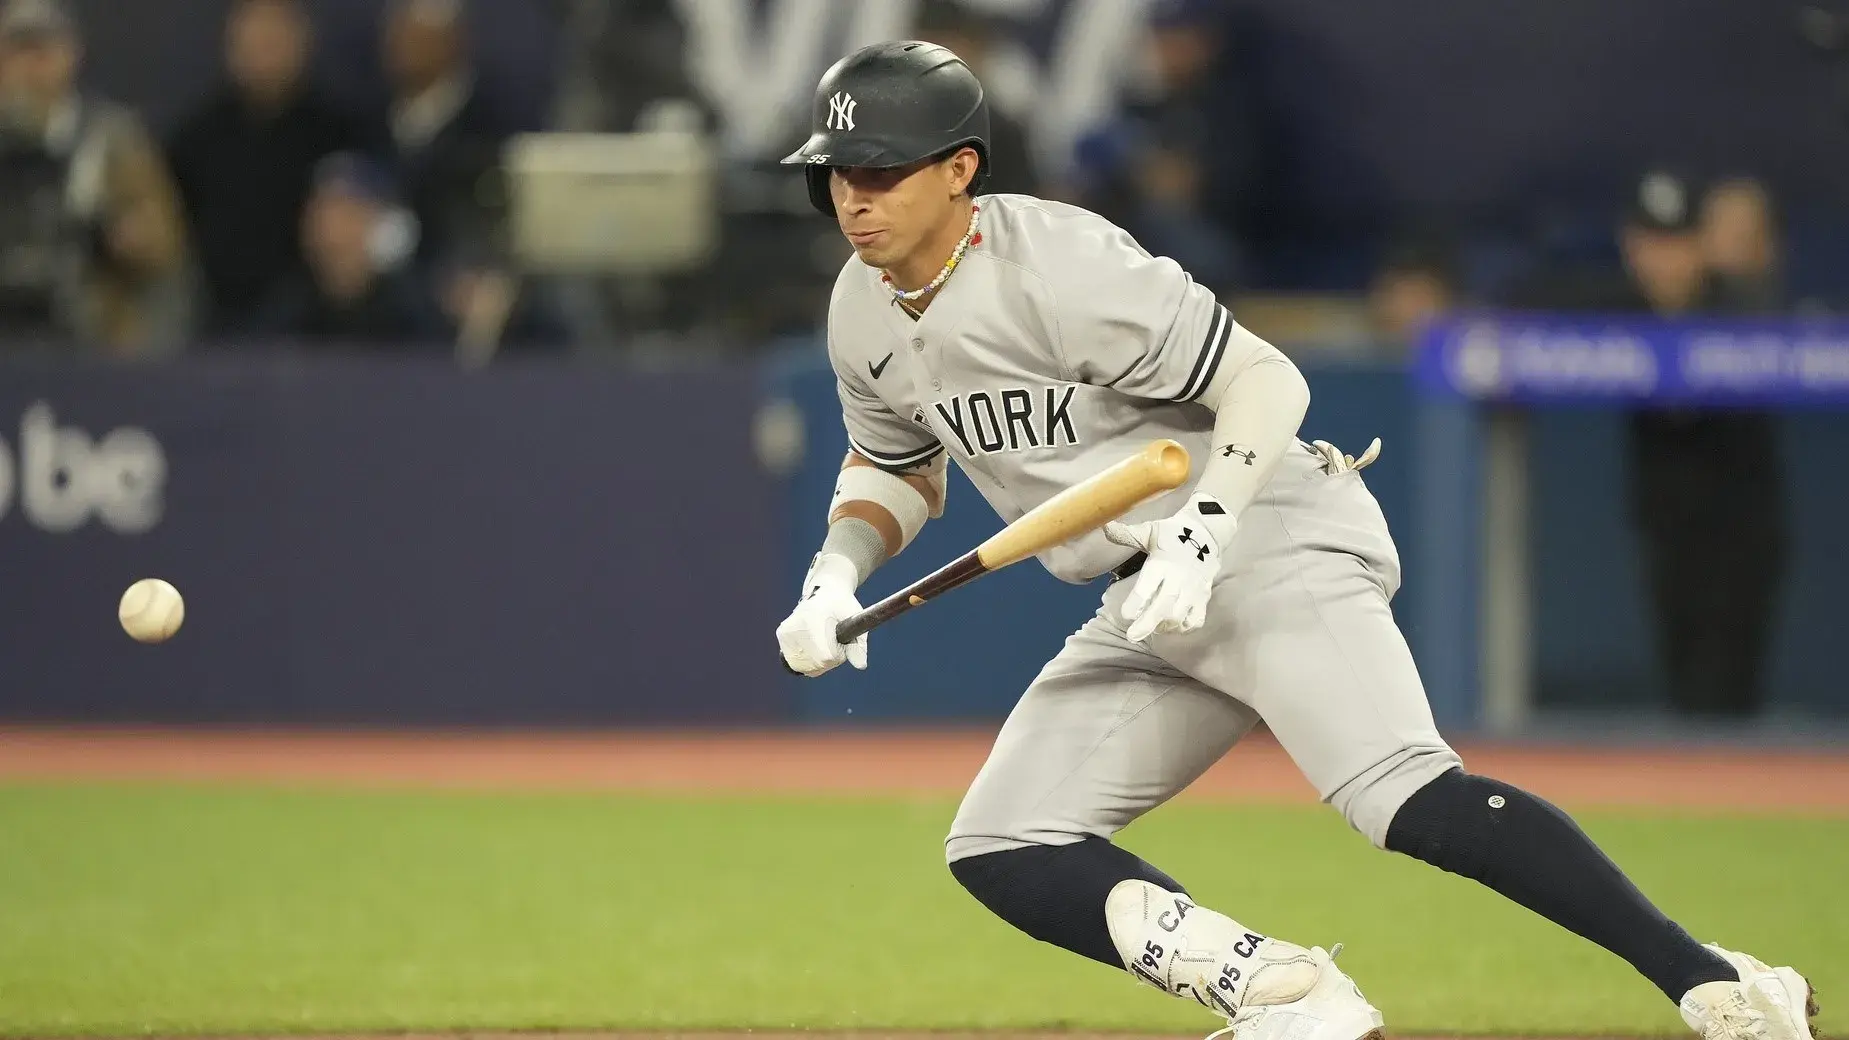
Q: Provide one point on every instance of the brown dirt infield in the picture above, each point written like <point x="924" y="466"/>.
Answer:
<point x="858" y="763"/>
<point x="841" y="1035"/>
<point x="870" y="762"/>
<point x="838" y="1035"/>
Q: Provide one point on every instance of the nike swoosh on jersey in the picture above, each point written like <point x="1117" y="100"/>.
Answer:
<point x="881" y="367"/>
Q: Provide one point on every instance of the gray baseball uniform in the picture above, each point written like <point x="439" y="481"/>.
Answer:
<point x="1056" y="348"/>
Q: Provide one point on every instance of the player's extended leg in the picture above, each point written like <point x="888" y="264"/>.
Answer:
<point x="1313" y="646"/>
<point x="1105" y="733"/>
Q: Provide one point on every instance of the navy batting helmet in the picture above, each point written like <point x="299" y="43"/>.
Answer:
<point x="890" y="104"/>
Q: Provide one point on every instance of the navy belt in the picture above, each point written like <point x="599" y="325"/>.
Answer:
<point x="1129" y="566"/>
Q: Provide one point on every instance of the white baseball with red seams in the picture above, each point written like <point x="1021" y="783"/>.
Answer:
<point x="151" y="611"/>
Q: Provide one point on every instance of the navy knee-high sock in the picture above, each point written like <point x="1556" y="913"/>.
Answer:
<point x="1534" y="854"/>
<point x="1056" y="893"/>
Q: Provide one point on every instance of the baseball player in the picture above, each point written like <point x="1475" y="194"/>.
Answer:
<point x="1035" y="344"/>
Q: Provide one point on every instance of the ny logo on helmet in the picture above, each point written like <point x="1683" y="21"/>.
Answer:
<point x="841" y="112"/>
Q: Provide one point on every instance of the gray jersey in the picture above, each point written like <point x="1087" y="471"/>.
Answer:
<point x="1057" y="347"/>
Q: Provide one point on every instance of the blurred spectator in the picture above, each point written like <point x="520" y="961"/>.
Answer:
<point x="624" y="68"/>
<point x="971" y="36"/>
<point x="92" y="248"/>
<point x="1706" y="487"/>
<point x="1741" y="242"/>
<point x="359" y="290"/>
<point x="1418" y="282"/>
<point x="445" y="139"/>
<point x="1174" y="141"/>
<point x="245" y="158"/>
<point x="1662" y="247"/>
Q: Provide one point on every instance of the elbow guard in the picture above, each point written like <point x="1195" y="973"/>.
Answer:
<point x="889" y="491"/>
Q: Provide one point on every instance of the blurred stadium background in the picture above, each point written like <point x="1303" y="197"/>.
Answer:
<point x="459" y="361"/>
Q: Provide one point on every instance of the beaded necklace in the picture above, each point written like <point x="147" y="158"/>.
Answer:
<point x="971" y="237"/>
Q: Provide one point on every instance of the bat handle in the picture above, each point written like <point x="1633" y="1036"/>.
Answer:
<point x="960" y="571"/>
<point x="853" y="627"/>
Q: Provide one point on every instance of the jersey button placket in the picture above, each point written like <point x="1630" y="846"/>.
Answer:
<point x="918" y="347"/>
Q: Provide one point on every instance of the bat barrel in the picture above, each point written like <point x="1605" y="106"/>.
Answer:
<point x="1161" y="466"/>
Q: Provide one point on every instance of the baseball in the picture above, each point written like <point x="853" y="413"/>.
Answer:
<point x="151" y="610"/>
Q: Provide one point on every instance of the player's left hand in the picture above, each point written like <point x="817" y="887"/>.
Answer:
<point x="1172" y="589"/>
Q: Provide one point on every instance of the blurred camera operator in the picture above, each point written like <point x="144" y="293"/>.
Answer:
<point x="92" y="248"/>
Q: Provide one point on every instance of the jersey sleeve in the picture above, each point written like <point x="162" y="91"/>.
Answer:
<point x="1138" y="323"/>
<point x="882" y="436"/>
<point x="876" y="432"/>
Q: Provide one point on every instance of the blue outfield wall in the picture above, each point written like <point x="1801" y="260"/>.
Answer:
<point x="391" y="542"/>
<point x="395" y="542"/>
<point x="1575" y="376"/>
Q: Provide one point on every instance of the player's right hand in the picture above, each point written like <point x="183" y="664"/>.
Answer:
<point x="807" y="636"/>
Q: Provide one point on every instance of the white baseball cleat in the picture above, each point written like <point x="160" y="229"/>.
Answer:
<point x="1266" y="989"/>
<point x="1767" y="1003"/>
<point x="1333" y="1009"/>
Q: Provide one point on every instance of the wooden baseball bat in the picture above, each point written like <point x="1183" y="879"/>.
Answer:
<point x="1161" y="466"/>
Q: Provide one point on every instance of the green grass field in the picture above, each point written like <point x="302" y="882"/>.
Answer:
<point x="177" y="909"/>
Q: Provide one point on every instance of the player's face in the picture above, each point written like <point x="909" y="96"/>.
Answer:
<point x="888" y="215"/>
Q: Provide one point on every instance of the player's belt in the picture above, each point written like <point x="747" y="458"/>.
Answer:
<point x="1129" y="566"/>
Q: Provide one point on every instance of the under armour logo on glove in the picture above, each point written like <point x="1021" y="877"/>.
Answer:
<point x="1245" y="453"/>
<point x="1171" y="590"/>
<point x="1201" y="551"/>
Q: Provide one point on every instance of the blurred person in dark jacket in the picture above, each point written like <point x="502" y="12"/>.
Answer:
<point x="245" y="159"/>
<point x="92" y="248"/>
<point x="1707" y="491"/>
<point x="359" y="290"/>
<point x="1175" y="140"/>
<point x="971" y="36"/>
<point x="446" y="140"/>
<point x="445" y="137"/>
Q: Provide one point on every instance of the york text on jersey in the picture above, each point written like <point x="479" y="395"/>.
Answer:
<point x="1009" y="420"/>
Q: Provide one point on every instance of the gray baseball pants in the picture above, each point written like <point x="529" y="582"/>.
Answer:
<point x="1298" y="633"/>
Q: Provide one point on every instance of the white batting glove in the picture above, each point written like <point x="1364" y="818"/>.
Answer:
<point x="1335" y="462"/>
<point x="807" y="636"/>
<point x="1172" y="589"/>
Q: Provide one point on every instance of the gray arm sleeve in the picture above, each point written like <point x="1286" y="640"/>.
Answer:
<point x="859" y="542"/>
